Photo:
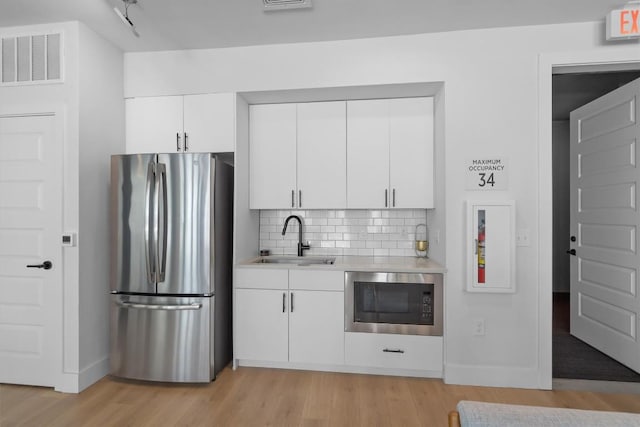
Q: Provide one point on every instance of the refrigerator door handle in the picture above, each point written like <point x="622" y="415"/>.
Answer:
<point x="165" y="307"/>
<point x="162" y="239"/>
<point x="149" y="251"/>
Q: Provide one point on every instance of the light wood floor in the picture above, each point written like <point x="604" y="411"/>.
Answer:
<point x="273" y="397"/>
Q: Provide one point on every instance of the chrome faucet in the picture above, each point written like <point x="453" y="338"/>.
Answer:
<point x="301" y="247"/>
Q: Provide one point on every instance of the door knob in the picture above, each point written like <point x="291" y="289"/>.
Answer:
<point x="46" y="265"/>
<point x="571" y="252"/>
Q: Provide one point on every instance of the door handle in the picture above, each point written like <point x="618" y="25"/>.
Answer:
<point x="571" y="252"/>
<point x="46" y="265"/>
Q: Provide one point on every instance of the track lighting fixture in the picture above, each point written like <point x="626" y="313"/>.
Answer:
<point x="125" y="16"/>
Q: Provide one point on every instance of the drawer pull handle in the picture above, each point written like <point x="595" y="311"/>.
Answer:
<point x="393" y="350"/>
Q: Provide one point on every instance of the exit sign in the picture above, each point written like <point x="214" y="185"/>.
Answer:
<point x="624" y="23"/>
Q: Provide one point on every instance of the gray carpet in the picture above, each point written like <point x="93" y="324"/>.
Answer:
<point x="575" y="359"/>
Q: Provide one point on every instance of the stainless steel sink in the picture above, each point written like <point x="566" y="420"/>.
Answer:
<point x="297" y="260"/>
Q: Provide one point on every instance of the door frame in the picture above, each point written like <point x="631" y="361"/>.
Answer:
<point x="606" y="60"/>
<point x="57" y="111"/>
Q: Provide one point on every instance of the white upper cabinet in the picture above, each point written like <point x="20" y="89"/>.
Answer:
<point x="209" y="122"/>
<point x="297" y="155"/>
<point x="322" y="143"/>
<point x="368" y="154"/>
<point x="272" y="156"/>
<point x="411" y="152"/>
<point x="390" y="153"/>
<point x="191" y="123"/>
<point x="153" y="124"/>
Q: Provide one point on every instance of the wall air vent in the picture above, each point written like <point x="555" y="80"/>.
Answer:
<point x="31" y="59"/>
<point x="286" y="4"/>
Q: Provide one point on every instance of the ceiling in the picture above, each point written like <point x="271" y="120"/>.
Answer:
<point x="193" y="24"/>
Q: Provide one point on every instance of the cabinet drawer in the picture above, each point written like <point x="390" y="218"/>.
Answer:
<point x="261" y="278"/>
<point x="393" y="351"/>
<point x="318" y="280"/>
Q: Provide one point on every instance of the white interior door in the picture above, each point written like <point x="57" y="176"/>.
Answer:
<point x="604" y="222"/>
<point x="30" y="229"/>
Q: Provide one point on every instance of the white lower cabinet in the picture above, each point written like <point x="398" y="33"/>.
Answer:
<point x="261" y="325"/>
<point x="289" y="325"/>
<point x="393" y="351"/>
<point x="316" y="327"/>
<point x="294" y="318"/>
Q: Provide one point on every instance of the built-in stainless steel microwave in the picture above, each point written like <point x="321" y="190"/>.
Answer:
<point x="395" y="303"/>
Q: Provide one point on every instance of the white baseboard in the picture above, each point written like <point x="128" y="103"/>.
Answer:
<point x="491" y="376"/>
<point x="348" y="369"/>
<point x="70" y="382"/>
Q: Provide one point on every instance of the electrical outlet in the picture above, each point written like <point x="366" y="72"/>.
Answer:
<point x="436" y="236"/>
<point x="478" y="327"/>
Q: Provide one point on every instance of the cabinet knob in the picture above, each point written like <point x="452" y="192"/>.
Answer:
<point x="178" y="148"/>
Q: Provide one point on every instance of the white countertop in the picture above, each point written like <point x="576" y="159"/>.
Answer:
<point x="356" y="263"/>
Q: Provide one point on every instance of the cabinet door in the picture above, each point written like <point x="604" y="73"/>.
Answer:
<point x="321" y="161"/>
<point x="367" y="154"/>
<point x="272" y="156"/>
<point x="261" y="325"/>
<point x="316" y="327"/>
<point x="154" y="124"/>
<point x="411" y="152"/>
<point x="209" y="122"/>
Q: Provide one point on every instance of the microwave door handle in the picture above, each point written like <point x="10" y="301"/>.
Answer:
<point x="163" y="213"/>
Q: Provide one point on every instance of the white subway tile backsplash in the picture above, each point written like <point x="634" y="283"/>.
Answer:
<point x="343" y="232"/>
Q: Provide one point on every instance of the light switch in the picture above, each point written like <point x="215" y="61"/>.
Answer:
<point x="523" y="237"/>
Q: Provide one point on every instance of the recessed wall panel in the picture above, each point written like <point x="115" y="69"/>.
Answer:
<point x="608" y="315"/>
<point x="609" y="159"/>
<point x="614" y="118"/>
<point x="616" y="237"/>
<point x="618" y="196"/>
<point x="621" y="279"/>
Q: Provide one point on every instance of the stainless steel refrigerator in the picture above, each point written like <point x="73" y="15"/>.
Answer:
<point x="171" y="244"/>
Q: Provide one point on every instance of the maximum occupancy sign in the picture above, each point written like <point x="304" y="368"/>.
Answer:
<point x="489" y="173"/>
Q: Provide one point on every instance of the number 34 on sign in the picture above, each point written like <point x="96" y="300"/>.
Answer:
<point x="489" y="173"/>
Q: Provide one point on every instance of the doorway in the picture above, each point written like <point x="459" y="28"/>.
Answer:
<point x="30" y="252"/>
<point x="571" y="357"/>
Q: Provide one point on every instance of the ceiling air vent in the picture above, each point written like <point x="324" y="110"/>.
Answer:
<point x="286" y="4"/>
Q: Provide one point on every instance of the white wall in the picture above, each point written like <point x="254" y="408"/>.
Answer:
<point x="491" y="107"/>
<point x="101" y="134"/>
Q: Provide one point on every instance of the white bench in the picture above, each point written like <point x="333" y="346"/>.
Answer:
<point x="482" y="414"/>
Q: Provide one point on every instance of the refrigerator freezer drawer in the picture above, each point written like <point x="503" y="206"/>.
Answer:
<point x="162" y="338"/>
